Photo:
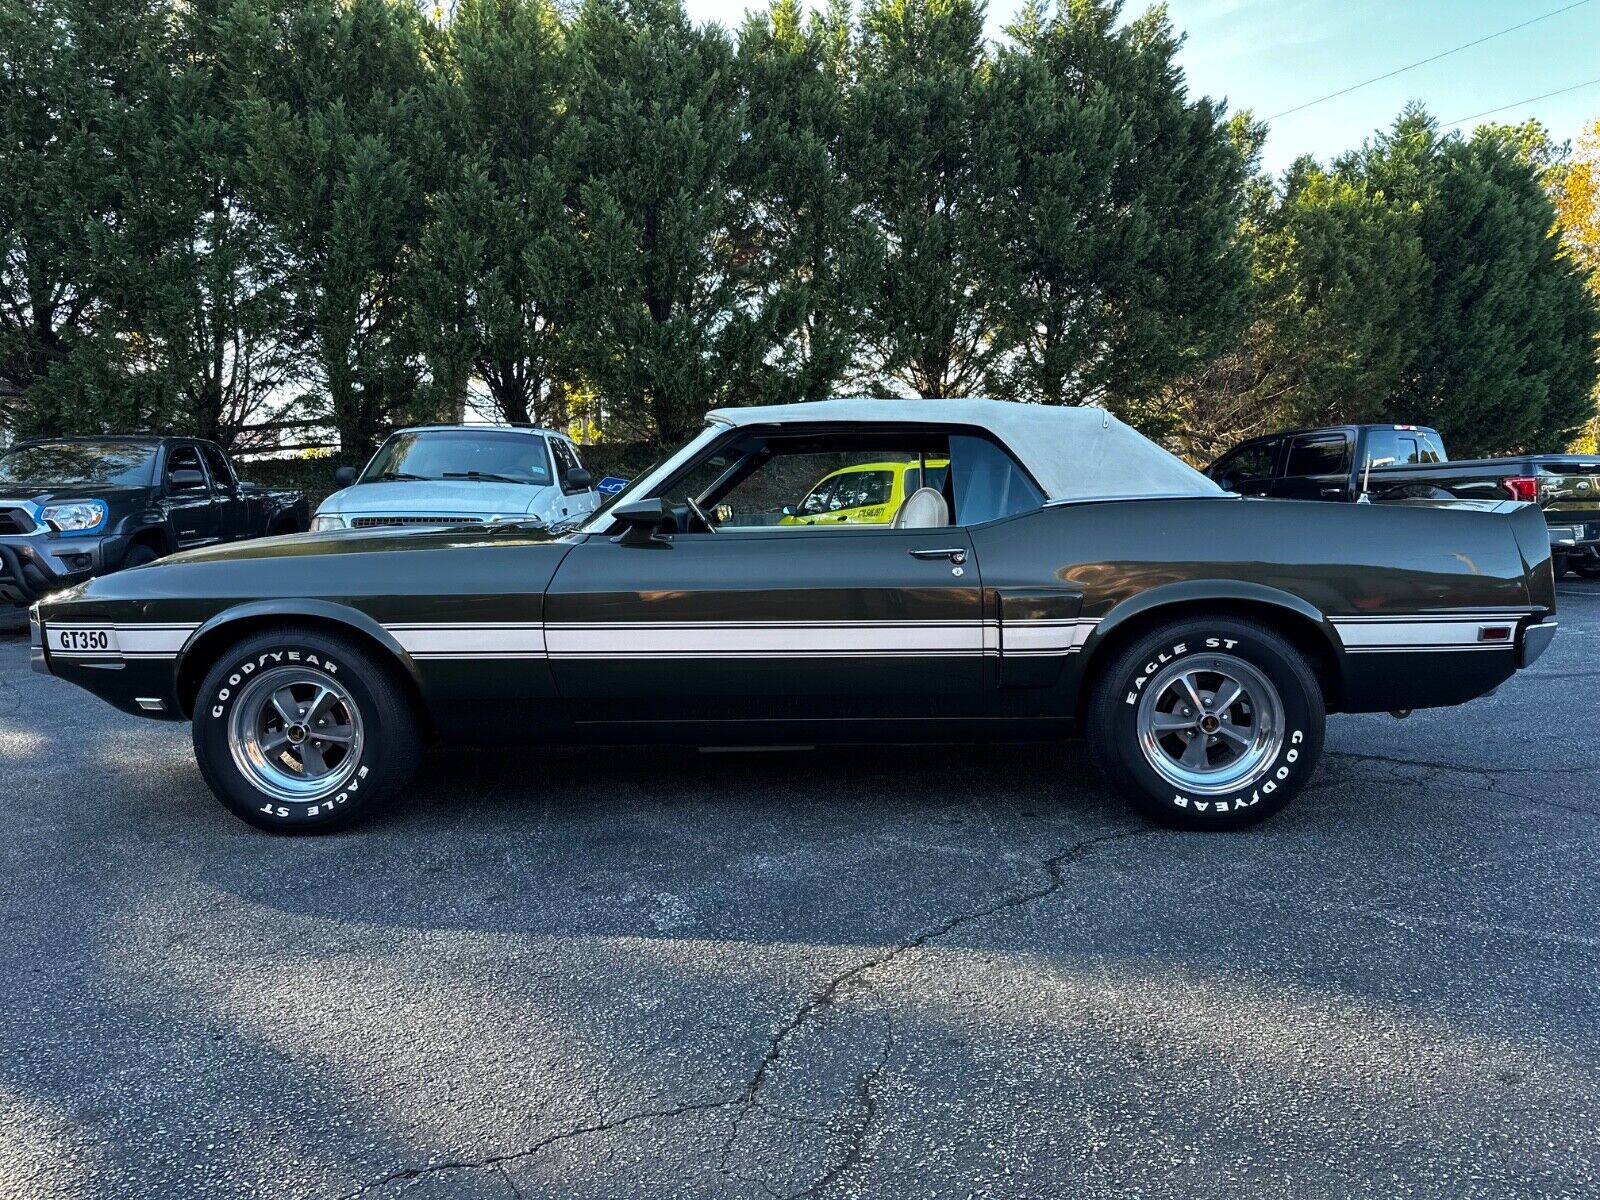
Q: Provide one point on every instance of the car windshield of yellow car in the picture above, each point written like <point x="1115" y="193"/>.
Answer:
<point x="847" y="490"/>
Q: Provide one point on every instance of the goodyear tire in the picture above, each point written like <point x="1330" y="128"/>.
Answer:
<point x="1207" y="724"/>
<point x="299" y="731"/>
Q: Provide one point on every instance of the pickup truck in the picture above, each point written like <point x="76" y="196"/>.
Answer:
<point x="1397" y="463"/>
<point x="74" y="508"/>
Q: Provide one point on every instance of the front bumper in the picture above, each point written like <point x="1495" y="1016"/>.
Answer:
<point x="36" y="658"/>
<point x="1536" y="640"/>
<point x="35" y="565"/>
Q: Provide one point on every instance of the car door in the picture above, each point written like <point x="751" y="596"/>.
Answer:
<point x="856" y="624"/>
<point x="1316" y="467"/>
<point x="190" y="505"/>
<point x="233" y="510"/>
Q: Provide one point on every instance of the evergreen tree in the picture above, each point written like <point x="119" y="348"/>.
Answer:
<point x="812" y="255"/>
<point x="195" y="287"/>
<point x="1117" y="217"/>
<point x="1505" y="351"/>
<point x="919" y="150"/>
<point x="334" y="133"/>
<point x="496" y="262"/>
<point x="666" y="323"/>
<point x="1338" y="272"/>
<point x="74" y="73"/>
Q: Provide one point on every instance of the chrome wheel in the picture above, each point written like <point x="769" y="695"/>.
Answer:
<point x="1210" y="724"/>
<point x="295" y="734"/>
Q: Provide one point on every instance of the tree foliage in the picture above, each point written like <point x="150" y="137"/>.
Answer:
<point x="356" y="214"/>
<point x="1117" y="212"/>
<point x="1419" y="279"/>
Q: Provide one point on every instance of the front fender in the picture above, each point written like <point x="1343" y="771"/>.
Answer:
<point x="207" y="635"/>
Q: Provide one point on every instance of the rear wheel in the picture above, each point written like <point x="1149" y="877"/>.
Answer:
<point x="1589" y="568"/>
<point x="1207" y="724"/>
<point x="300" y="731"/>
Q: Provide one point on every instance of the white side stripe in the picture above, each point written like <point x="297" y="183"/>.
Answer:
<point x="1415" y="632"/>
<point x="1032" y="639"/>
<point x="520" y="640"/>
<point x="708" y="640"/>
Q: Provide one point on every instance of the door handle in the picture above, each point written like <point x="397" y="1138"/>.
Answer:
<point x="956" y="554"/>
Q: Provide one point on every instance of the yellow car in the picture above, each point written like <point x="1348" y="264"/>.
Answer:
<point x="864" y="494"/>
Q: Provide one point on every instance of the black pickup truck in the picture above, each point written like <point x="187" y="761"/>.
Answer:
<point x="1392" y="463"/>
<point x="73" y="508"/>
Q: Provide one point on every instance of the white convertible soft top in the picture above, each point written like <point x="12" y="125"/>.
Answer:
<point x="1073" y="453"/>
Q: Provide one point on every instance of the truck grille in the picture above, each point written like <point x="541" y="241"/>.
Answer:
<point x="15" y="520"/>
<point x="377" y="522"/>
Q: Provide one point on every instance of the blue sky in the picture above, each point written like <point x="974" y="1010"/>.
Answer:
<point x="1271" y="55"/>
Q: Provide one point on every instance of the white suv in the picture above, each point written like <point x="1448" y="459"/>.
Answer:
<point x="462" y="474"/>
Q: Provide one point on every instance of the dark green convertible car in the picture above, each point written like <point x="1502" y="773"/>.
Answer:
<point x="1050" y="570"/>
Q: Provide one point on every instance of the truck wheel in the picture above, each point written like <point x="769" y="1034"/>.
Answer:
<point x="300" y="731"/>
<point x="137" y="556"/>
<point x="1559" y="564"/>
<point x="1207" y="724"/>
<point x="1589" y="568"/>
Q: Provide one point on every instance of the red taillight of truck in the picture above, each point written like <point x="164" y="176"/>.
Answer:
<point x="1522" y="487"/>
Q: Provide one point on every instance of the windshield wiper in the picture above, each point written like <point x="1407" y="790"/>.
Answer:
<point x="485" y="475"/>
<point x="385" y="476"/>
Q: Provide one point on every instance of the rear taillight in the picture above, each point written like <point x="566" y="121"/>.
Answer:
<point x="1522" y="487"/>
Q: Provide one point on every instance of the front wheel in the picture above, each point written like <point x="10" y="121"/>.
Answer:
<point x="1207" y="723"/>
<point x="300" y="731"/>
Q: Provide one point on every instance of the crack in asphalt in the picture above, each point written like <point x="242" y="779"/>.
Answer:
<point x="825" y="997"/>
<point x="498" y="1161"/>
<point x="867" y="1097"/>
<point x="1454" y="768"/>
<point x="821" y="1000"/>
<point x="1489" y="772"/>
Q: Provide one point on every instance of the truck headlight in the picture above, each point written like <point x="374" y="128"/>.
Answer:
<point x="80" y="516"/>
<point x="321" y="523"/>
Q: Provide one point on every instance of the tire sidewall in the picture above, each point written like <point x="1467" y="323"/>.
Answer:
<point x="1289" y="770"/>
<point x="213" y="711"/>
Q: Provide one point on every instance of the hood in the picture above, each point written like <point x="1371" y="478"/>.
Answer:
<point x="389" y="540"/>
<point x="436" y="498"/>
<point x="32" y="493"/>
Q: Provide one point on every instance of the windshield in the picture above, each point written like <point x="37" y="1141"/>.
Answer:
<point x="496" y="456"/>
<point x="127" y="464"/>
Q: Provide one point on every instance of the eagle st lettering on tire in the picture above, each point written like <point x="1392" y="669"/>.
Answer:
<point x="1207" y="723"/>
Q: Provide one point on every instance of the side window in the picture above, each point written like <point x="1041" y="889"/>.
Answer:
<point x="1244" y="465"/>
<point x="181" y="459"/>
<point x="1428" y="449"/>
<point x="988" y="483"/>
<point x="1318" y="455"/>
<point x="566" y="460"/>
<point x="221" y="471"/>
<point x="821" y="481"/>
<point x="1385" y="448"/>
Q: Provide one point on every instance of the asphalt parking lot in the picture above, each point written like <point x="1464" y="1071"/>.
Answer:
<point x="957" y="973"/>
